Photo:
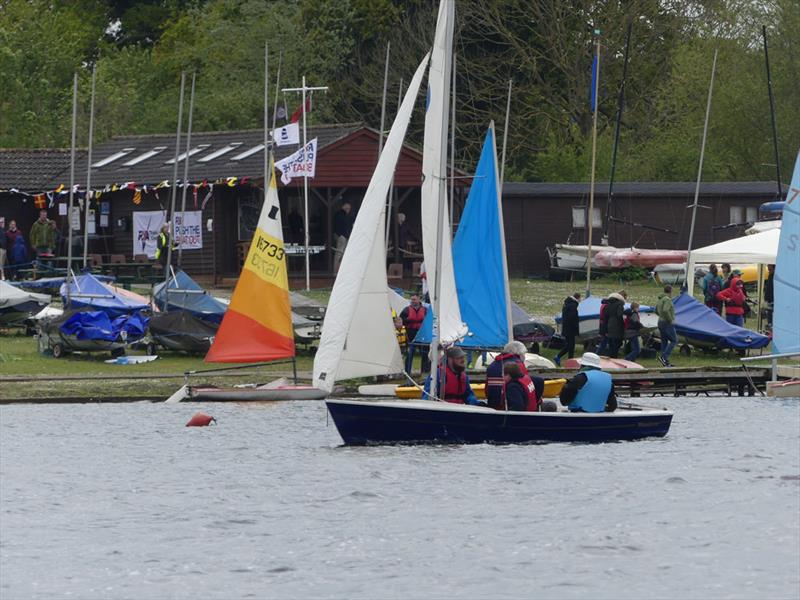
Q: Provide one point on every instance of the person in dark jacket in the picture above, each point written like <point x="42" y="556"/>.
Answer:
<point x="591" y="390"/>
<point x="632" y="326"/>
<point x="516" y="395"/>
<point x="726" y="275"/>
<point x="3" y="249"/>
<point x="570" y="326"/>
<point x="513" y="352"/>
<point x="342" y="226"/>
<point x="769" y="293"/>
<point x="18" y="256"/>
<point x="615" y="322"/>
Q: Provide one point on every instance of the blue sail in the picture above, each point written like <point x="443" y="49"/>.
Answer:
<point x="479" y="261"/>
<point x="786" y="281"/>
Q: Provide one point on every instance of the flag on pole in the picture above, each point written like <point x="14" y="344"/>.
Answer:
<point x="287" y="135"/>
<point x="593" y="91"/>
<point x="303" y="162"/>
<point x="298" y="113"/>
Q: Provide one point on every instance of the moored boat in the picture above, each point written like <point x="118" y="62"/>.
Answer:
<point x="361" y="422"/>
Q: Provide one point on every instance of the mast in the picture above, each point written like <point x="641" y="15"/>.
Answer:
<point x="171" y="216"/>
<point x="453" y="150"/>
<point x="392" y="193"/>
<point x="700" y="171"/>
<point x="620" y="107"/>
<point x="383" y="99"/>
<point x="89" y="172"/>
<point x="442" y="181"/>
<point x="772" y="114"/>
<point x="505" y="140"/>
<point x="186" y="163"/>
<point x="72" y="176"/>
<point x="589" y="220"/>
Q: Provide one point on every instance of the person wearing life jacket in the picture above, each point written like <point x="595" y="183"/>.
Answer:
<point x="513" y="352"/>
<point x="412" y="316"/>
<point x="591" y="390"/>
<point x="734" y="299"/>
<point x="399" y="330"/>
<point x="162" y="245"/>
<point x="519" y="392"/>
<point x="453" y="382"/>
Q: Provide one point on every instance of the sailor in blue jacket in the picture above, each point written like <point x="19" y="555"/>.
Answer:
<point x="591" y="390"/>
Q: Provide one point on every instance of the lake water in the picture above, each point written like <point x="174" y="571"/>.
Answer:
<point x="123" y="501"/>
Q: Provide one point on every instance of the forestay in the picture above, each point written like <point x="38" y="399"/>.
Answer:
<point x="358" y="337"/>
<point x="436" y="121"/>
<point x="785" y="324"/>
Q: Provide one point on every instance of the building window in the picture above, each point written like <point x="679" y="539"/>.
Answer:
<point x="736" y="215"/>
<point x="579" y="217"/>
<point x="752" y="214"/>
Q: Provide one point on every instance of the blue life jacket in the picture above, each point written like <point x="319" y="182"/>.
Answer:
<point x="593" y="395"/>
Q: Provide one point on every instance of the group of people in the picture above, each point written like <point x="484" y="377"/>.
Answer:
<point x="509" y="385"/>
<point x="617" y="324"/>
<point x="726" y="290"/>
<point x="44" y="240"/>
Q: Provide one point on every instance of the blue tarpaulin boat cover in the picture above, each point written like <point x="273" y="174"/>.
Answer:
<point x="589" y="308"/>
<point x="478" y="262"/>
<point x="86" y="291"/>
<point x="51" y="285"/>
<point x="97" y="325"/>
<point x="698" y="323"/>
<point x="186" y="294"/>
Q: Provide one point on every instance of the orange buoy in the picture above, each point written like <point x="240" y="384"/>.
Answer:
<point x="200" y="420"/>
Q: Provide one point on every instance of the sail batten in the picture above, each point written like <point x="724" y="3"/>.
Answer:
<point x="786" y="280"/>
<point x="358" y="337"/>
<point x="257" y="326"/>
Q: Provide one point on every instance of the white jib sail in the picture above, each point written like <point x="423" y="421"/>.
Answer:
<point x="358" y="336"/>
<point x="451" y="328"/>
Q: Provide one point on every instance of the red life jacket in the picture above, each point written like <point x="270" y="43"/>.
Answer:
<point x="530" y="390"/>
<point x="415" y="317"/>
<point x="494" y="378"/>
<point x="455" y="386"/>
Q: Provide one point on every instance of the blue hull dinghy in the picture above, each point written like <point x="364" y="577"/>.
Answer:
<point x="363" y="422"/>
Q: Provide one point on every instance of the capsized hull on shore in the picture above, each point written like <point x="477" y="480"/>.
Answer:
<point x="396" y="422"/>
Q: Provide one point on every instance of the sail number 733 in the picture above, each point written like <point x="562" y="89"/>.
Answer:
<point x="267" y="258"/>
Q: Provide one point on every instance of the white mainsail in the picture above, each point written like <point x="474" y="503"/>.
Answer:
<point x="450" y="326"/>
<point x="358" y="336"/>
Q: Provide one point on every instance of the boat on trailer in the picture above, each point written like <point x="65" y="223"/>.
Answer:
<point x="362" y="422"/>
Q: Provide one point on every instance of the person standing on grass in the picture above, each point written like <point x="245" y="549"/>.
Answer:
<point x="570" y="326"/>
<point x="342" y="226"/>
<point x="632" y="326"/>
<point x="412" y="317"/>
<point x="712" y="285"/>
<point x="615" y="322"/>
<point x="726" y="275"/>
<point x="43" y="236"/>
<point x="734" y="299"/>
<point x="665" y="310"/>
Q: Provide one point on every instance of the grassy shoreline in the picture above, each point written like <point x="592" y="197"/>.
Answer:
<point x="19" y="356"/>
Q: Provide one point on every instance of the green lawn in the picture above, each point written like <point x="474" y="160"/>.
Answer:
<point x="19" y="355"/>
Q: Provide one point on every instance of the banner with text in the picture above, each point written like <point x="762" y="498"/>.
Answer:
<point x="147" y="226"/>
<point x="303" y="162"/>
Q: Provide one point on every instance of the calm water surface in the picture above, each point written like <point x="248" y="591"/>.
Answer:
<point x="122" y="501"/>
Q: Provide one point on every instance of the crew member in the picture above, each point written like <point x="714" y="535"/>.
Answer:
<point x="162" y="245"/>
<point x="412" y="316"/>
<point x="518" y="392"/>
<point x="734" y="299"/>
<point x="399" y="331"/>
<point x="452" y="384"/>
<point x="591" y="390"/>
<point x="513" y="352"/>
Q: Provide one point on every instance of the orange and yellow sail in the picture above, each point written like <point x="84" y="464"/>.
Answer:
<point x="258" y="323"/>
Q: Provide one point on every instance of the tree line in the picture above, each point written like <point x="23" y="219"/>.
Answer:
<point x="544" y="46"/>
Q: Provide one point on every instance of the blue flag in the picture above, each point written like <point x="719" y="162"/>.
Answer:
<point x="592" y="92"/>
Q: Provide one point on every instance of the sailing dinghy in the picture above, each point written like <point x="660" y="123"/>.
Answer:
<point x="395" y="421"/>
<point x="257" y="327"/>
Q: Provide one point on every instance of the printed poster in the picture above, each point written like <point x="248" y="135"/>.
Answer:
<point x="147" y="226"/>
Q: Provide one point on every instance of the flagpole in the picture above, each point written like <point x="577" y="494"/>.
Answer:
<point x="186" y="163"/>
<point x="72" y="176"/>
<point x="383" y="100"/>
<point x="699" y="173"/>
<point x="171" y="215"/>
<point x="303" y="90"/>
<point x="505" y="136"/>
<point x="589" y="220"/>
<point x="89" y="172"/>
